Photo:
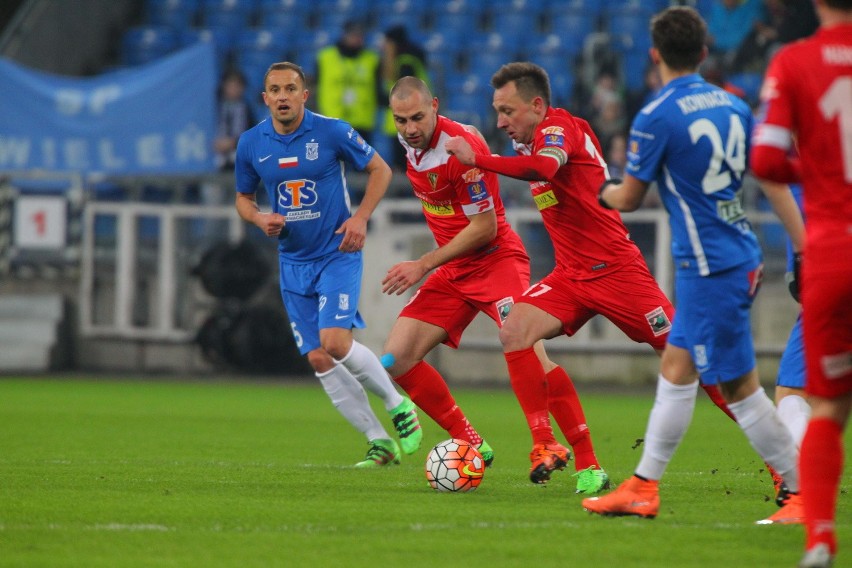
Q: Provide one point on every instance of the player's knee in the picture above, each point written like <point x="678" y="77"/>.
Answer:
<point x="511" y="339"/>
<point x="320" y="361"/>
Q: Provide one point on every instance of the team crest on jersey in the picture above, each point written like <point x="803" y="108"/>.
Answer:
<point x="659" y="321"/>
<point x="433" y="179"/>
<point x="477" y="191"/>
<point x="503" y="307"/>
<point x="312" y="150"/>
<point x="472" y="175"/>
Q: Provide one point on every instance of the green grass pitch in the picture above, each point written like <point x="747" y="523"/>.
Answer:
<point x="124" y="473"/>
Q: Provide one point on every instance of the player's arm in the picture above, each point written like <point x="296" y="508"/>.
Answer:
<point x="784" y="205"/>
<point x="623" y="195"/>
<point x="270" y="223"/>
<point x="354" y="229"/>
<point x="539" y="167"/>
<point x="771" y="158"/>
<point x="480" y="231"/>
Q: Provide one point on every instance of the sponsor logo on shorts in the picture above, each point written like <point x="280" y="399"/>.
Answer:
<point x="699" y="353"/>
<point x="503" y="307"/>
<point x="659" y="321"/>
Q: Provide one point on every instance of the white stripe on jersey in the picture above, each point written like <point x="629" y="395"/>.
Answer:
<point x="772" y="135"/>
<point x="691" y="229"/>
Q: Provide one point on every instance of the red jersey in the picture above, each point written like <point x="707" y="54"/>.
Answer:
<point x="807" y="97"/>
<point x="588" y="240"/>
<point x="450" y="191"/>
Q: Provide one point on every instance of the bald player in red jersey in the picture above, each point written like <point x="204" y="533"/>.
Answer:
<point x="807" y="104"/>
<point x="599" y="270"/>
<point x="480" y="266"/>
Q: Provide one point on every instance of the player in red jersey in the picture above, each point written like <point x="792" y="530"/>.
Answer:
<point x="807" y="98"/>
<point x="599" y="270"/>
<point x="480" y="266"/>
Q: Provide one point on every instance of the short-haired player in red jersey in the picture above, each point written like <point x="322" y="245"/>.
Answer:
<point x="807" y="106"/>
<point x="599" y="270"/>
<point x="480" y="265"/>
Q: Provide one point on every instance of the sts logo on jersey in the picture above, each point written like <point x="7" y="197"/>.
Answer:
<point x="296" y="194"/>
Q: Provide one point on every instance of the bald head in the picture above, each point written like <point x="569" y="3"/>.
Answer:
<point x="415" y="111"/>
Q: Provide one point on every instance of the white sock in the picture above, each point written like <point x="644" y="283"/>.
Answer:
<point x="366" y="367"/>
<point x="348" y="397"/>
<point x="669" y="420"/>
<point x="767" y="434"/>
<point x="794" y="412"/>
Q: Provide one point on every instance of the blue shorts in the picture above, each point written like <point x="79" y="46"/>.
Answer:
<point x="712" y="321"/>
<point x="320" y="295"/>
<point x="791" y="369"/>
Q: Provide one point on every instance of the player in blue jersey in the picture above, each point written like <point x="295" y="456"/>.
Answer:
<point x="299" y="157"/>
<point x="693" y="141"/>
<point x="790" y="399"/>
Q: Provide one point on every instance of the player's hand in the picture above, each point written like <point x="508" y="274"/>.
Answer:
<point x="794" y="278"/>
<point x="403" y="276"/>
<point x="459" y="147"/>
<point x="354" y="232"/>
<point x="271" y="223"/>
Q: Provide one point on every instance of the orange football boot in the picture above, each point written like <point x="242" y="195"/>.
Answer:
<point x="545" y="458"/>
<point x="634" y="497"/>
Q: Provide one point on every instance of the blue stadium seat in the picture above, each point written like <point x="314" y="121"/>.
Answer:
<point x="469" y="106"/>
<point x="232" y="14"/>
<point x="287" y="15"/>
<point x="633" y="65"/>
<point x="573" y="27"/>
<point x="515" y="24"/>
<point x="221" y="38"/>
<point x="143" y="44"/>
<point x="176" y="14"/>
<point x="634" y="24"/>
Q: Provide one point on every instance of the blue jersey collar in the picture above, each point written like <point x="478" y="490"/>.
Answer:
<point x="685" y="80"/>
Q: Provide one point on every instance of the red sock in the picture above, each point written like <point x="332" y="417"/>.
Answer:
<point x="530" y="385"/>
<point x="564" y="404"/>
<point x="716" y="396"/>
<point x="429" y="391"/>
<point x="820" y="468"/>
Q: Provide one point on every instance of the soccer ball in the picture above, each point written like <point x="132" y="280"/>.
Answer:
<point x="454" y="465"/>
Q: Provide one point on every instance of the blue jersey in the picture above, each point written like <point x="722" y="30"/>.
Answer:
<point x="303" y="173"/>
<point x="693" y="140"/>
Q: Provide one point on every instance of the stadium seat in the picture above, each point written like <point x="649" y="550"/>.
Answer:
<point x="633" y="65"/>
<point x="176" y="14"/>
<point x="634" y="24"/>
<point x="232" y="14"/>
<point x="750" y="83"/>
<point x="286" y="15"/>
<point x="221" y="38"/>
<point x="573" y="27"/>
<point x="143" y="44"/>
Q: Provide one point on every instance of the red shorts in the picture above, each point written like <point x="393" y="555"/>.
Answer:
<point x="827" y="321"/>
<point x="451" y="302"/>
<point x="629" y="297"/>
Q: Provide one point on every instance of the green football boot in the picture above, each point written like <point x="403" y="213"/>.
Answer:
<point x="591" y="480"/>
<point x="487" y="453"/>
<point x="381" y="453"/>
<point x="407" y="426"/>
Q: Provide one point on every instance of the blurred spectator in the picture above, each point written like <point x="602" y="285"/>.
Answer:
<point x="607" y="113"/>
<point x="616" y="155"/>
<point x="400" y="58"/>
<point x="730" y="22"/>
<point x="713" y="72"/>
<point x="649" y="91"/>
<point x="348" y="81"/>
<point x="787" y="20"/>
<point x="233" y="117"/>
